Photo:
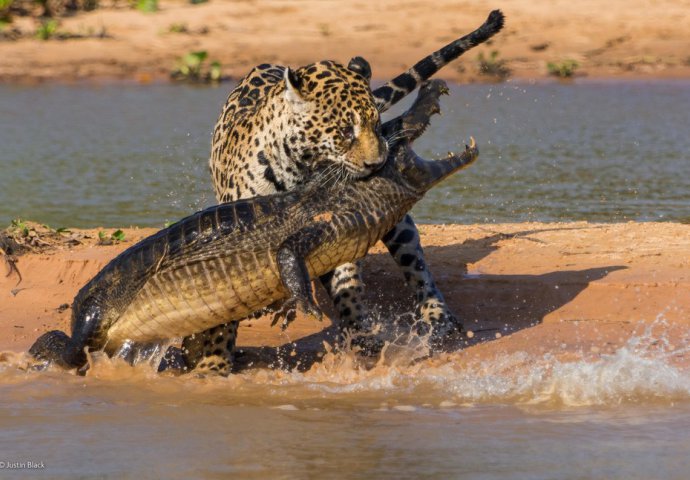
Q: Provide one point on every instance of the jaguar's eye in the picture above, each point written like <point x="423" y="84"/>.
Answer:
<point x="348" y="133"/>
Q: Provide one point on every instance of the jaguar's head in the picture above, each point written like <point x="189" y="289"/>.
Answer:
<point x="334" y="119"/>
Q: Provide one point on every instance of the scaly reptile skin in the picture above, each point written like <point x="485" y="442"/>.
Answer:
<point x="230" y="260"/>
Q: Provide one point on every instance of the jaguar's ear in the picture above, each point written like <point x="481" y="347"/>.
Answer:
<point x="361" y="66"/>
<point x="292" y="86"/>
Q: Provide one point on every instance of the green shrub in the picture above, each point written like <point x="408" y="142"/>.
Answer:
<point x="116" y="237"/>
<point x="178" y="28"/>
<point x="147" y="6"/>
<point x="190" y="68"/>
<point x="492" y="66"/>
<point x="47" y="29"/>
<point x="563" y="69"/>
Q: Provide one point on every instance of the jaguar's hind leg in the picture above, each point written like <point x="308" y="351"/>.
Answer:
<point x="346" y="289"/>
<point x="403" y="243"/>
<point x="211" y="351"/>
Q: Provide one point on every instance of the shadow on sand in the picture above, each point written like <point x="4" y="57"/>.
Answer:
<point x="487" y="304"/>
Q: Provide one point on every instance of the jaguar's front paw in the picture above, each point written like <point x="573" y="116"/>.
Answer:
<point x="439" y="321"/>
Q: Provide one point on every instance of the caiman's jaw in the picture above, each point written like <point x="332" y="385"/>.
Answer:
<point x="422" y="174"/>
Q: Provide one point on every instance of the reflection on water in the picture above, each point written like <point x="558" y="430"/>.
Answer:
<point x="624" y="415"/>
<point x="123" y="155"/>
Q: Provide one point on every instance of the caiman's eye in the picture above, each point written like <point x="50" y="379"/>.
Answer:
<point x="348" y="133"/>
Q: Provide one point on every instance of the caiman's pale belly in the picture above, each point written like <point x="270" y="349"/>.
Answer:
<point x="182" y="301"/>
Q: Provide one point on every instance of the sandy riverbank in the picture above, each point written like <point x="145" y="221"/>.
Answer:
<point x="614" y="39"/>
<point x="563" y="288"/>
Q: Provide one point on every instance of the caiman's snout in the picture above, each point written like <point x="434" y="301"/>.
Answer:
<point x="424" y="174"/>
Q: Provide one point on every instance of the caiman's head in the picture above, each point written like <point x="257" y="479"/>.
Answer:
<point x="332" y="118"/>
<point x="419" y="174"/>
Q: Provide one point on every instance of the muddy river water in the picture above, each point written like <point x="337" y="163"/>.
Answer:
<point x="625" y="415"/>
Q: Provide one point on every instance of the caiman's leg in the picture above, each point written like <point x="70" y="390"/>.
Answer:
<point x="210" y="352"/>
<point x="413" y="122"/>
<point x="294" y="273"/>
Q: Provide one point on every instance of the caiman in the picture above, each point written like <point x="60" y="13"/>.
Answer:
<point x="231" y="260"/>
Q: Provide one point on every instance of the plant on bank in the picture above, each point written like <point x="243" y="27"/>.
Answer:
<point x="563" y="69"/>
<point x="492" y="66"/>
<point x="5" y="16"/>
<point x="47" y="29"/>
<point x="116" y="237"/>
<point x="191" y="68"/>
<point x="148" y="6"/>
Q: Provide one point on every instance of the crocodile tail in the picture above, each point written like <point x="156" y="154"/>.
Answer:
<point x="391" y="93"/>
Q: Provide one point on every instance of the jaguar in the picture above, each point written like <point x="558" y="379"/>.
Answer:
<point x="279" y="124"/>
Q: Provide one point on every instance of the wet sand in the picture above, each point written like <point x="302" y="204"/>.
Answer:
<point x="618" y="39"/>
<point x="572" y="290"/>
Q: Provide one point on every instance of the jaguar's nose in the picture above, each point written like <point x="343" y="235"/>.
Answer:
<point x="375" y="164"/>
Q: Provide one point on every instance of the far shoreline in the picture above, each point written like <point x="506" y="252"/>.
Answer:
<point x="138" y="47"/>
<point x="114" y="80"/>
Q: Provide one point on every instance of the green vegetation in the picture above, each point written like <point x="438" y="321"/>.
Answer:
<point x="43" y="8"/>
<point x="191" y="63"/>
<point x="116" y="237"/>
<point x="492" y="66"/>
<point x="191" y="68"/>
<point x="22" y="236"/>
<point x="18" y="226"/>
<point x="563" y="69"/>
<point x="5" y="17"/>
<point x="47" y="29"/>
<point x="147" y="6"/>
<point x="178" y="28"/>
<point x="215" y="72"/>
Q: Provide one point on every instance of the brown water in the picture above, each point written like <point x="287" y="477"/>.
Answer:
<point x="625" y="415"/>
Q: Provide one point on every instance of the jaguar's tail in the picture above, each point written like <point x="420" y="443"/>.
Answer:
<point x="390" y="93"/>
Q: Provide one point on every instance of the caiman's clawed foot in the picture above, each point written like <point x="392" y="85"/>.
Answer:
<point x="289" y="310"/>
<point x="429" y="99"/>
<point x="412" y="124"/>
<point x="58" y="348"/>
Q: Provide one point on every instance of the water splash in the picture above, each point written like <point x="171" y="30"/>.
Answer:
<point x="649" y="368"/>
